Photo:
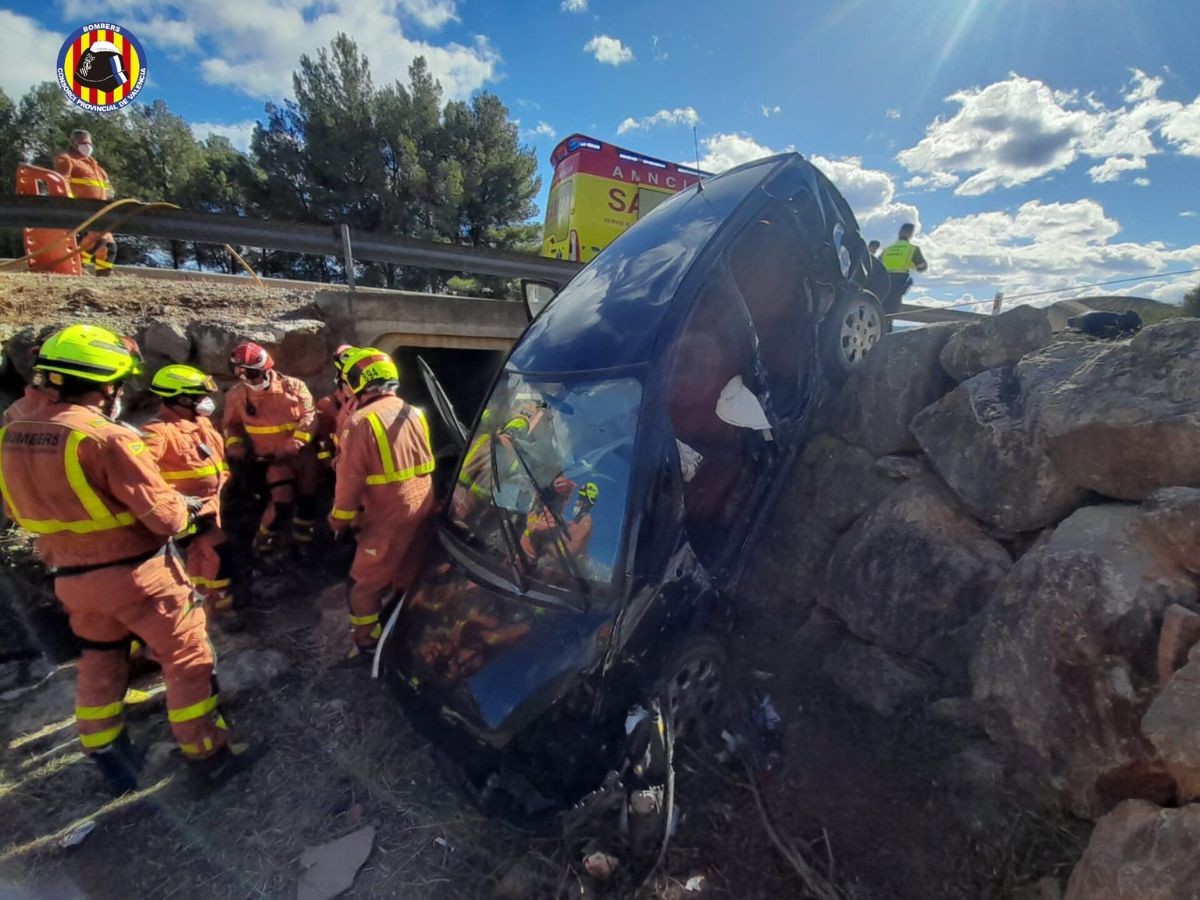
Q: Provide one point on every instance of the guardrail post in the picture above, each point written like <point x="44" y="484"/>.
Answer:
<point x="347" y="255"/>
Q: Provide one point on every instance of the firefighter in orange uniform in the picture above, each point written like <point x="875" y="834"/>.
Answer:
<point x="270" y="417"/>
<point x="88" y="181"/>
<point x="89" y="489"/>
<point x="384" y="489"/>
<point x="333" y="411"/>
<point x="191" y="458"/>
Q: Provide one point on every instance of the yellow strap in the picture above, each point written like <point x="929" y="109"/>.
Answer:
<point x="202" y="472"/>
<point x="102" y="264"/>
<point x="195" y="711"/>
<point x="101" y="738"/>
<point x="232" y="439"/>
<point x="270" y="429"/>
<point x="344" y="514"/>
<point x="303" y="436"/>
<point x="95" y="713"/>
<point x="364" y="620"/>
<point x="92" y="182"/>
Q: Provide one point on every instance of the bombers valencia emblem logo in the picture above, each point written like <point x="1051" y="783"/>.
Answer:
<point x="101" y="67"/>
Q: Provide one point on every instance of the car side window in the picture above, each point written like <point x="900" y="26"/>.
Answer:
<point x="766" y="263"/>
<point x="717" y="459"/>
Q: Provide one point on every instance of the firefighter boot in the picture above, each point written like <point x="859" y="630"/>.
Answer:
<point x="266" y="540"/>
<point x="120" y="763"/>
<point x="230" y="760"/>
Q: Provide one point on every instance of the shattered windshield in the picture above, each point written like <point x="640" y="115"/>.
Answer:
<point x="543" y="485"/>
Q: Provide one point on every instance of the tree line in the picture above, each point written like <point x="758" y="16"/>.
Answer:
<point x="395" y="159"/>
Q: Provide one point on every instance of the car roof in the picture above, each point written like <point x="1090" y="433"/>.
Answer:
<point x="611" y="313"/>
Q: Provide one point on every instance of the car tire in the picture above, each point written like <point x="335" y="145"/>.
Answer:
<point x="692" y="689"/>
<point x="854" y="325"/>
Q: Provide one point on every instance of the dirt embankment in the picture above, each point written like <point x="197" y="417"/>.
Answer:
<point x="126" y="302"/>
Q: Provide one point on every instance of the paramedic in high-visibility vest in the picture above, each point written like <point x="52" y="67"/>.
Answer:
<point x="87" y="180"/>
<point x="899" y="259"/>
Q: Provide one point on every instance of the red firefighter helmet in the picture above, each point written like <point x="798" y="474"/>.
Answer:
<point x="250" y="355"/>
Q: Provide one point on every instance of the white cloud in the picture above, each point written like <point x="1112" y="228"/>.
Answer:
<point x="657" y="52"/>
<point x="1142" y="182"/>
<point x="29" y="55"/>
<point x="724" y="151"/>
<point x="685" y="115"/>
<point x="1014" y="131"/>
<point x="1189" y="214"/>
<point x="1111" y="168"/>
<point x="1044" y="246"/>
<point x="608" y="50"/>
<point x="253" y="46"/>
<point x="575" y="6"/>
<point x="542" y="129"/>
<point x="931" y="182"/>
<point x="893" y="113"/>
<point x="769" y="111"/>
<point x="238" y="133"/>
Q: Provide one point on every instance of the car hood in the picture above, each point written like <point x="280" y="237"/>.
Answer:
<point x="486" y="660"/>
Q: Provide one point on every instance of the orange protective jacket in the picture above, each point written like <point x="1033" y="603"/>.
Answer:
<point x="34" y="403"/>
<point x="333" y="412"/>
<point x="87" y="487"/>
<point x="85" y="177"/>
<point x="269" y="419"/>
<point x="384" y="445"/>
<point x="190" y="456"/>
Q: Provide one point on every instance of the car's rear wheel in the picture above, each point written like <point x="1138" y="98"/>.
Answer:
<point x="850" y="331"/>
<point x="692" y="690"/>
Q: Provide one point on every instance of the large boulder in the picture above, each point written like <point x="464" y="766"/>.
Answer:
<point x="1172" y="521"/>
<point x="877" y="679"/>
<point x="1172" y="725"/>
<point x="1127" y="422"/>
<point x="981" y="442"/>
<point x="896" y="380"/>
<point x="995" y="341"/>
<point x="304" y="349"/>
<point x="1065" y="665"/>
<point x="910" y="575"/>
<point x="1140" y="852"/>
<point x="832" y="485"/>
<point x="167" y="340"/>
<point x="213" y="342"/>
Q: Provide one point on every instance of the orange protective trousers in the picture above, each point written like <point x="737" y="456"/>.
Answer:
<point x="204" y="568"/>
<point x="389" y="551"/>
<point x="153" y="601"/>
<point x="287" y="480"/>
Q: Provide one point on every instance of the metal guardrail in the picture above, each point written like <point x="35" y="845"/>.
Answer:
<point x="318" y="240"/>
<point x="328" y="240"/>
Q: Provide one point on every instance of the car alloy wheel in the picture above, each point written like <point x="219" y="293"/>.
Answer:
<point x="861" y="329"/>
<point x="693" y="690"/>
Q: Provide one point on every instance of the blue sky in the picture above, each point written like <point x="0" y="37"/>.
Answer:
<point x="1037" y="144"/>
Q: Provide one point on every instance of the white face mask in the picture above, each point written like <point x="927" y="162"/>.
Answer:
<point x="84" y="149"/>
<point x="206" y="407"/>
<point x="262" y="385"/>
<point x="117" y="409"/>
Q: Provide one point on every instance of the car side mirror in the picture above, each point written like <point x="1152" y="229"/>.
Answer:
<point x="738" y="406"/>
<point x="537" y="295"/>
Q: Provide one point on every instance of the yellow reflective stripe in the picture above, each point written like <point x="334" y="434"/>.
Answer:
<point x="232" y="439"/>
<point x="190" y="749"/>
<point x="102" y="264"/>
<point x="195" y="711"/>
<point x="303" y="436"/>
<point x="390" y="475"/>
<point x="220" y="583"/>
<point x="101" y="738"/>
<point x="202" y="472"/>
<point x="344" y="514"/>
<point x="270" y="429"/>
<point x="102" y="519"/>
<point x="364" y="620"/>
<point x="382" y="445"/>
<point x="91" y="182"/>
<point x="93" y="713"/>
<point x="324" y="454"/>
<point x="377" y="632"/>
<point x="403" y="475"/>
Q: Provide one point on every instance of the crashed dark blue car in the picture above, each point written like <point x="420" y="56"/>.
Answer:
<point x="616" y="477"/>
